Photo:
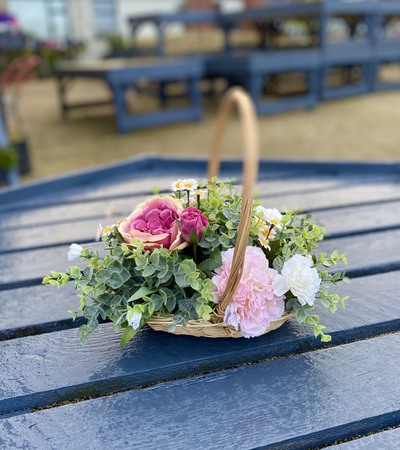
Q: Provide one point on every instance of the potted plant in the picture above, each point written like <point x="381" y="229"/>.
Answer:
<point x="9" y="165"/>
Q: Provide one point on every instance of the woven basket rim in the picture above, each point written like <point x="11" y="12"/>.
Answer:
<point x="202" y="328"/>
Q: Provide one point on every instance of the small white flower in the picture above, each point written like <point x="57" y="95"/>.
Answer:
<point x="188" y="184"/>
<point x="176" y="186"/>
<point x="74" y="251"/>
<point x="300" y="278"/>
<point x="265" y="243"/>
<point x="265" y="234"/>
<point x="99" y="233"/>
<point x="104" y="231"/>
<point x="271" y="215"/>
<point x="134" y="319"/>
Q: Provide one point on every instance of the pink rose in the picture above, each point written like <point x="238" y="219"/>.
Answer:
<point x="154" y="222"/>
<point x="192" y="219"/>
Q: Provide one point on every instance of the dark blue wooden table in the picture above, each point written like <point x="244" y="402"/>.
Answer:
<point x="284" y="390"/>
<point x="124" y="74"/>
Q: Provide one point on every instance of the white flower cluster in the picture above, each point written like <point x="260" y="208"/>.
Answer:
<point x="271" y="221"/>
<point x="187" y="184"/>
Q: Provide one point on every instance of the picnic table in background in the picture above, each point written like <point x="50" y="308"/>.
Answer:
<point x="282" y="390"/>
<point x="124" y="74"/>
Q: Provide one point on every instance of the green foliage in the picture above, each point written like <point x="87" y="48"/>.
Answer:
<point x="8" y="158"/>
<point x="129" y="281"/>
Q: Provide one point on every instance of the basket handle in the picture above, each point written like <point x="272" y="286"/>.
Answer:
<point x="250" y="141"/>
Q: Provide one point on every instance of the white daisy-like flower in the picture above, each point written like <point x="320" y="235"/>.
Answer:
<point x="300" y="278"/>
<point x="133" y="318"/>
<point x="187" y="184"/>
<point x="265" y="243"/>
<point x="270" y="215"/>
<point x="104" y="231"/>
<point x="190" y="184"/>
<point x="176" y="186"/>
<point x="99" y="232"/>
<point x="265" y="234"/>
<point x="74" y="251"/>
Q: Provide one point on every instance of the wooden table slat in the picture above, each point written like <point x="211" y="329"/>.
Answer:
<point x="126" y="199"/>
<point x="338" y="222"/>
<point x="102" y="367"/>
<point x="296" y="402"/>
<point x="365" y="256"/>
<point x="386" y="440"/>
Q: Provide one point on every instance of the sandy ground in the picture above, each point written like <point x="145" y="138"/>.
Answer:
<point x="360" y="128"/>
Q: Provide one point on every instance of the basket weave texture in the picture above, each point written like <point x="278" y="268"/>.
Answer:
<point x="250" y="135"/>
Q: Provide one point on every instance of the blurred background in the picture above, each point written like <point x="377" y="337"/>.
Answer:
<point x="89" y="82"/>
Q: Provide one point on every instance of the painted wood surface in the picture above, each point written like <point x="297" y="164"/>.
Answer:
<point x="124" y="198"/>
<point x="42" y="361"/>
<point x="36" y="310"/>
<point x="101" y="366"/>
<point x="386" y="440"/>
<point x="128" y="195"/>
<point x="338" y="222"/>
<point x="248" y="407"/>
<point x="155" y="167"/>
<point x="28" y="268"/>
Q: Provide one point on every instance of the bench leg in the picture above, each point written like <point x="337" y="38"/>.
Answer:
<point x="162" y="93"/>
<point x="62" y="94"/>
<point x="120" y="107"/>
<point x="126" y="122"/>
<point x="313" y="88"/>
<point x="195" y="97"/>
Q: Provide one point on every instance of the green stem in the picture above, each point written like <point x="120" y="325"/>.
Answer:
<point x="195" y="253"/>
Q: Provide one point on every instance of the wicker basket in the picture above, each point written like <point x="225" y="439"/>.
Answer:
<point x="215" y="328"/>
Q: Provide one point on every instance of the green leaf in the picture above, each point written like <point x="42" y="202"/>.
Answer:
<point x="193" y="238"/>
<point x="157" y="301"/>
<point x="114" y="267"/>
<point x="115" y="281"/>
<point x="171" y="303"/>
<point x="212" y="262"/>
<point x="140" y="293"/>
<point x="103" y="275"/>
<point x="301" y="315"/>
<point x="88" y="272"/>
<point x="148" y="271"/>
<point x="326" y="338"/>
<point x="127" y="335"/>
<point x="75" y="272"/>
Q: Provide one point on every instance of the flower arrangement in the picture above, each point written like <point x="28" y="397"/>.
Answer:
<point x="172" y="257"/>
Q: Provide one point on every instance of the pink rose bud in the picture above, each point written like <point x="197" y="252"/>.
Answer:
<point x="154" y="222"/>
<point x="192" y="222"/>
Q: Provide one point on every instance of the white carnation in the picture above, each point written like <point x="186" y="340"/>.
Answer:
<point x="74" y="252"/>
<point x="300" y="278"/>
<point x="271" y="215"/>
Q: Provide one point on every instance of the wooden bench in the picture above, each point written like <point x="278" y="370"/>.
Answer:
<point x="282" y="390"/>
<point x="386" y="48"/>
<point x="253" y="70"/>
<point x="124" y="74"/>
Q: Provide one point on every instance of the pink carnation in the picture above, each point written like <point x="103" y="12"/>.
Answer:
<point x="255" y="304"/>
